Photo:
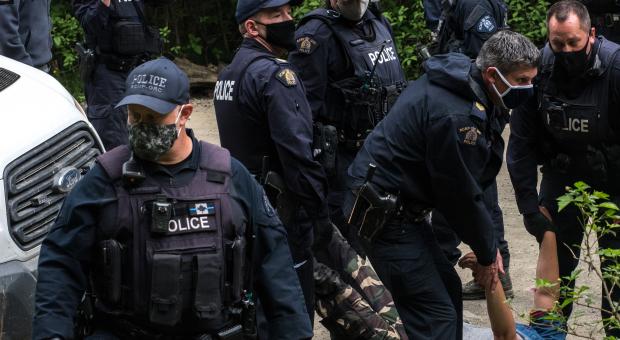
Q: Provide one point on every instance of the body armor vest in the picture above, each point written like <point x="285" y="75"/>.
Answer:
<point x="575" y="123"/>
<point x="126" y="33"/>
<point x="362" y="100"/>
<point x="172" y="259"/>
<point x="243" y="129"/>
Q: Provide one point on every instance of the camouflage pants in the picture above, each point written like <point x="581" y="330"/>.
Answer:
<point x="346" y="312"/>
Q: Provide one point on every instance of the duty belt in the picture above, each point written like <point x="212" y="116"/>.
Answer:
<point x="129" y="329"/>
<point x="122" y="64"/>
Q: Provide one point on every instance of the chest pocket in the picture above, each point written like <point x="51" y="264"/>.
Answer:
<point x="185" y="265"/>
<point x="573" y="123"/>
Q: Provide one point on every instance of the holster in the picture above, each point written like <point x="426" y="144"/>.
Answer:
<point x="86" y="61"/>
<point x="284" y="200"/>
<point x="325" y="144"/>
<point x="371" y="209"/>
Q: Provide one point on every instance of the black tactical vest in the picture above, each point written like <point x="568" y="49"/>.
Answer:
<point x="243" y="130"/>
<point x="172" y="259"/>
<point x="362" y="100"/>
<point x="575" y="123"/>
<point x="126" y="34"/>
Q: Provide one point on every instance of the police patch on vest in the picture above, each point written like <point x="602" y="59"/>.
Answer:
<point x="306" y="45"/>
<point x="191" y="224"/>
<point x="207" y="208"/>
<point x="486" y="24"/>
<point x="287" y="77"/>
<point x="470" y="135"/>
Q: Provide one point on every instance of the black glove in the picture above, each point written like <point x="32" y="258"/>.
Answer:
<point x="323" y="231"/>
<point x="536" y="224"/>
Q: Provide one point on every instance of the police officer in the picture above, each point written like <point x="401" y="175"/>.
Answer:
<point x="174" y="235"/>
<point x="25" y="32"/>
<point x="570" y="127"/>
<point x="467" y="24"/>
<point x="117" y="33"/>
<point x="439" y="147"/>
<point x="265" y="121"/>
<point x="348" y="62"/>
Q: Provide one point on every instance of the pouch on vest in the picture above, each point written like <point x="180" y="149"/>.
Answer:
<point x="109" y="257"/>
<point x="166" y="300"/>
<point x="238" y="253"/>
<point x="133" y="38"/>
<point x="208" y="297"/>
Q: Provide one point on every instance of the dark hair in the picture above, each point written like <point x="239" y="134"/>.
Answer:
<point x="561" y="10"/>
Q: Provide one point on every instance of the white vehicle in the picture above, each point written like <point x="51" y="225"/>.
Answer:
<point x="46" y="145"/>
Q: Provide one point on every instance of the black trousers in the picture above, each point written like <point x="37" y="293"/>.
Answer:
<point x="570" y="232"/>
<point x="449" y="241"/>
<point x="424" y="284"/>
<point x="103" y="91"/>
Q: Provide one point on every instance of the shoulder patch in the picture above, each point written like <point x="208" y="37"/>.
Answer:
<point x="470" y="134"/>
<point x="486" y="24"/>
<point x="306" y="45"/>
<point x="479" y="111"/>
<point x="287" y="77"/>
<point x="6" y="2"/>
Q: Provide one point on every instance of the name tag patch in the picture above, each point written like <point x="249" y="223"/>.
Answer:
<point x="191" y="224"/>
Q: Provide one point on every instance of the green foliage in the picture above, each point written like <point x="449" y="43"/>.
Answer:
<point x="66" y="31"/>
<point x="529" y="17"/>
<point x="599" y="217"/>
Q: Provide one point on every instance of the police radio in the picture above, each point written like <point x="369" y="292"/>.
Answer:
<point x="132" y="174"/>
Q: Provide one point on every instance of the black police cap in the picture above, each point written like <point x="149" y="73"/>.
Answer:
<point x="247" y="8"/>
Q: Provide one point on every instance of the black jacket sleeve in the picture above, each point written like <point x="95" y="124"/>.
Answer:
<point x="456" y="167"/>
<point x="93" y="15"/>
<point x="64" y="260"/>
<point x="275" y="279"/>
<point x="521" y="156"/>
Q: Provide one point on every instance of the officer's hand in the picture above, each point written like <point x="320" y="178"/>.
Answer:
<point x="487" y="276"/>
<point x="469" y="261"/>
<point x="323" y="230"/>
<point x="537" y="223"/>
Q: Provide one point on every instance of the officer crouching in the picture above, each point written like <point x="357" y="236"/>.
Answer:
<point x="169" y="237"/>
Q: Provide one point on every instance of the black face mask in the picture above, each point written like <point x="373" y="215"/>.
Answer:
<point x="281" y="34"/>
<point x="573" y="63"/>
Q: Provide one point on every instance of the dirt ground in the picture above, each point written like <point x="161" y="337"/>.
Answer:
<point x="523" y="246"/>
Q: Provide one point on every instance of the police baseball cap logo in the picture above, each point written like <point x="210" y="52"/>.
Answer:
<point x="247" y="8"/>
<point x="158" y="84"/>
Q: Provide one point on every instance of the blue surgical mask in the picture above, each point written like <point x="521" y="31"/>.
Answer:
<point x="514" y="95"/>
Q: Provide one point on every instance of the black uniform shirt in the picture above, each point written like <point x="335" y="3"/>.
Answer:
<point x="440" y="147"/>
<point x="65" y="257"/>
<point x="273" y="118"/>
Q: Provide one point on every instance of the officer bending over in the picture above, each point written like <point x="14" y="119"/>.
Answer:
<point x="571" y="128"/>
<point x="265" y="121"/>
<point x="439" y="148"/>
<point x="170" y="236"/>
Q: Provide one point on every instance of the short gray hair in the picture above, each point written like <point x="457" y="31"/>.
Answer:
<point x="508" y="51"/>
